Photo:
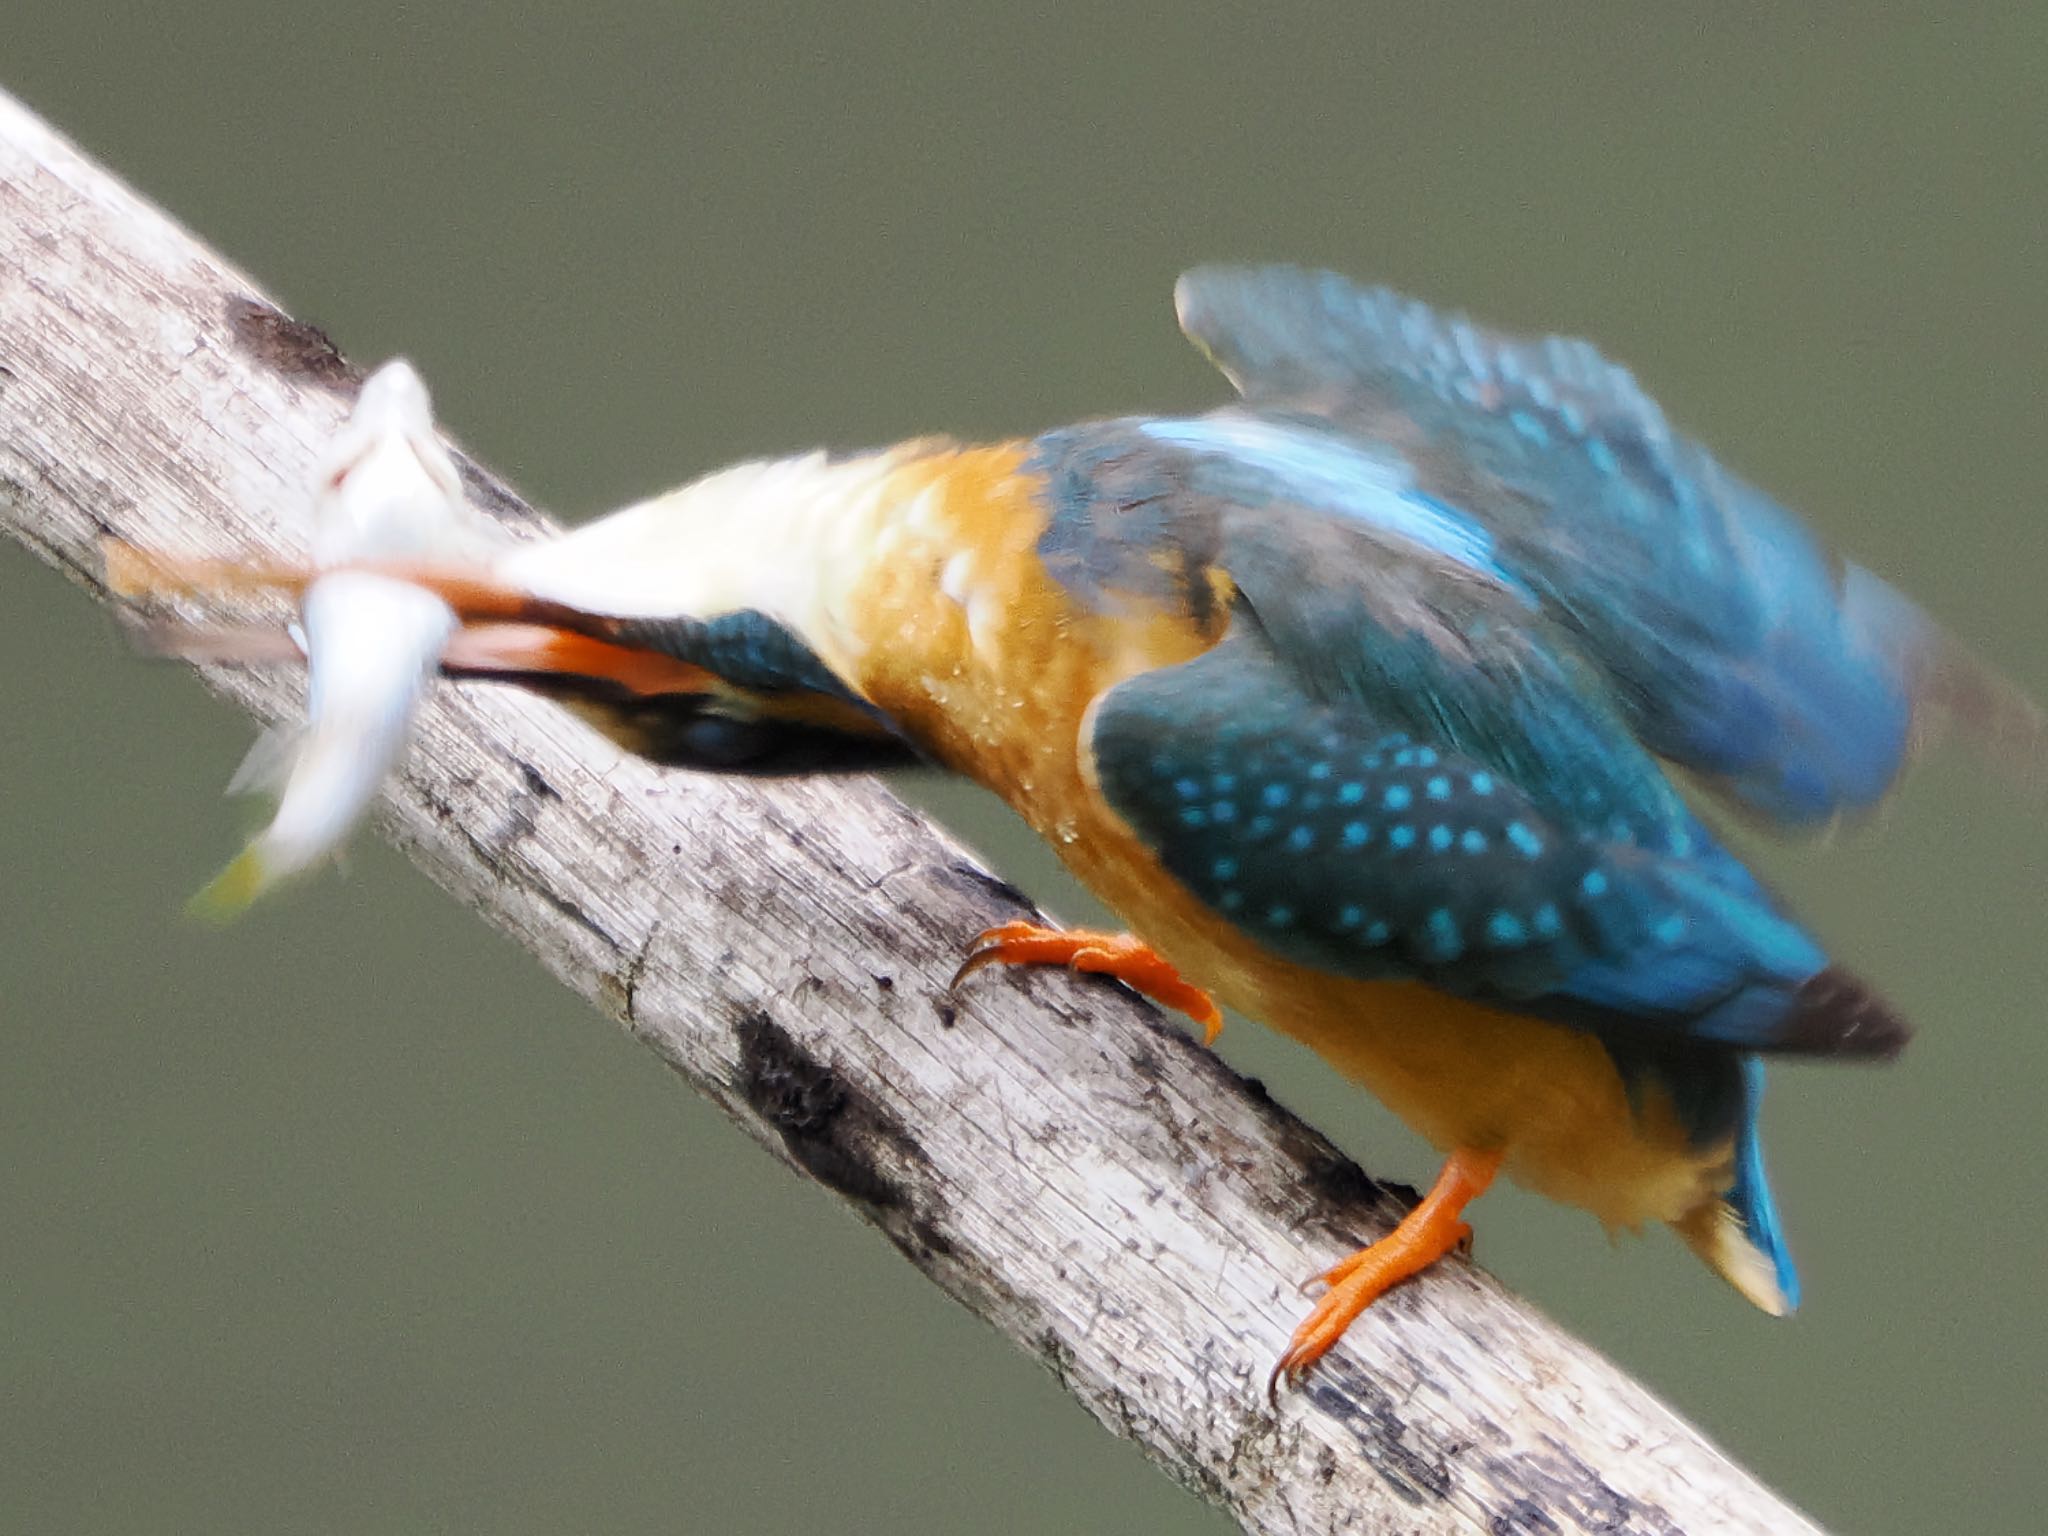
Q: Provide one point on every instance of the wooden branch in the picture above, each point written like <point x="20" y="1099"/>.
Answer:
<point x="1103" y="1191"/>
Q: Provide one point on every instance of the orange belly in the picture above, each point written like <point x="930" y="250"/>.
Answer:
<point x="1460" y="1073"/>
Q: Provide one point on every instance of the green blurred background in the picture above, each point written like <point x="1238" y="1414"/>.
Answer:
<point x="348" y="1219"/>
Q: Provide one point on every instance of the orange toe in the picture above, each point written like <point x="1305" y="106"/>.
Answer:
<point x="1121" y="955"/>
<point x="1425" y="1234"/>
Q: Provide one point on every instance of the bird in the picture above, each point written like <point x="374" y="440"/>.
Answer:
<point x="1399" y="702"/>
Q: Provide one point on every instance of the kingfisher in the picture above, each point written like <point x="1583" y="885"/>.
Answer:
<point x="1384" y="704"/>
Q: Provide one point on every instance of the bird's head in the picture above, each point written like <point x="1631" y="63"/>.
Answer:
<point x="710" y="627"/>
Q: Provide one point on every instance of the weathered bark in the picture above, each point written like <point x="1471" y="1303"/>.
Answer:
<point x="1104" y="1192"/>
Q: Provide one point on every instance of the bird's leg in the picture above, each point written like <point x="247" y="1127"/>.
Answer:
<point x="1424" y="1235"/>
<point x="1122" y="955"/>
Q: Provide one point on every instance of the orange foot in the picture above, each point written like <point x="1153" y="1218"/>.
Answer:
<point x="1425" y="1234"/>
<point x="1122" y="955"/>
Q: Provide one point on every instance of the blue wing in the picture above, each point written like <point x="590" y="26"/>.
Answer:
<point x="1396" y="761"/>
<point x="1396" y="832"/>
<point x="1792" y="682"/>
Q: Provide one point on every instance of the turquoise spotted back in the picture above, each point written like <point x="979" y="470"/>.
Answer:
<point x="1368" y="851"/>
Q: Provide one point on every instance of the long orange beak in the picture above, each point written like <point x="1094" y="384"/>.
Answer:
<point x="505" y="632"/>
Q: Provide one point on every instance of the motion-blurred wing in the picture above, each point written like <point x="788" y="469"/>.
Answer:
<point x="1793" y="682"/>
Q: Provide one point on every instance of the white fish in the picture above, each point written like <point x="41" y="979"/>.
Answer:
<point x="386" y="490"/>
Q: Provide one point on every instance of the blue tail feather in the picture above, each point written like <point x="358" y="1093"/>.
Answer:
<point x="1751" y="1196"/>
